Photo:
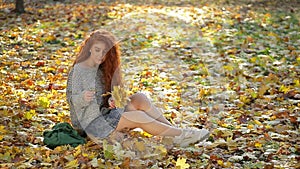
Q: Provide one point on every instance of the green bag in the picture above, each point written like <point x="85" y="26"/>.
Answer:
<point x="62" y="134"/>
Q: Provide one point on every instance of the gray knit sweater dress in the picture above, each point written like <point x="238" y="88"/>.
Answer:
<point x="91" y="117"/>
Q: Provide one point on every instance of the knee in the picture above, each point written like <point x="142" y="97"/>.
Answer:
<point x="140" y="101"/>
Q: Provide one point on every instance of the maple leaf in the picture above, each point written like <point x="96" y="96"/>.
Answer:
<point x="181" y="163"/>
<point x="29" y="114"/>
<point x="44" y="102"/>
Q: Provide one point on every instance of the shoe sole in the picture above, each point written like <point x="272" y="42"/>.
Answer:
<point x="206" y="136"/>
<point x="194" y="141"/>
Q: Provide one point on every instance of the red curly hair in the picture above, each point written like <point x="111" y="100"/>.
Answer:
<point x="111" y="66"/>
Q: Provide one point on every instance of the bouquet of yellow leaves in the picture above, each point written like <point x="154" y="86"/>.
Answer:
<point x="120" y="96"/>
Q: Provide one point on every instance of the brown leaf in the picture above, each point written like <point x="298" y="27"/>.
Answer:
<point x="126" y="163"/>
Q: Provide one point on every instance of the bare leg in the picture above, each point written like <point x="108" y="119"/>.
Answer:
<point x="139" y="119"/>
<point x="139" y="101"/>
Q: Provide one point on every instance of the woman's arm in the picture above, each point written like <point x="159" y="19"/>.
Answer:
<point x="77" y="97"/>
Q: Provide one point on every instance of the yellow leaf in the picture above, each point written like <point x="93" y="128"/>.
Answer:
<point x="58" y="149"/>
<point x="29" y="114"/>
<point x="244" y="99"/>
<point x="220" y="162"/>
<point x="268" y="127"/>
<point x="2" y="129"/>
<point x="284" y="88"/>
<point x="224" y="125"/>
<point x="228" y="67"/>
<point x="253" y="59"/>
<point x="257" y="122"/>
<point x="87" y="155"/>
<point x="146" y="134"/>
<point x="227" y="164"/>
<point x="44" y="102"/>
<point x="78" y="151"/>
<point x="297" y="82"/>
<point x="272" y="34"/>
<point x="250" y="126"/>
<point x="120" y="97"/>
<point x="228" y="139"/>
<point x="181" y="163"/>
<point x="273" y="117"/>
<point x="161" y="149"/>
<point x="202" y="93"/>
<point x="298" y="59"/>
<point x="50" y="38"/>
<point x="72" y="164"/>
<point x="258" y="145"/>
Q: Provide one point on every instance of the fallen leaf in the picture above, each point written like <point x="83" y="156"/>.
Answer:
<point x="181" y="163"/>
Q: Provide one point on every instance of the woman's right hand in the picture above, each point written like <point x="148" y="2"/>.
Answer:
<point x="111" y="103"/>
<point x="88" y="96"/>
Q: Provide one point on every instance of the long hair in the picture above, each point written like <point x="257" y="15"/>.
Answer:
<point x="111" y="66"/>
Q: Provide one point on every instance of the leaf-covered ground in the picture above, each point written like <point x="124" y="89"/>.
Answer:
<point x="232" y="67"/>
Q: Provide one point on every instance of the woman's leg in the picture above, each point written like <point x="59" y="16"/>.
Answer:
<point x="139" y="119"/>
<point x="139" y="101"/>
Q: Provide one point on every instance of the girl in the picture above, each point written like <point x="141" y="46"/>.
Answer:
<point x="93" y="74"/>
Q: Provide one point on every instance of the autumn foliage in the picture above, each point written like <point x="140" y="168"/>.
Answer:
<point x="232" y="67"/>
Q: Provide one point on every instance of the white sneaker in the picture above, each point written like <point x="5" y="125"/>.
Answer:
<point x="189" y="136"/>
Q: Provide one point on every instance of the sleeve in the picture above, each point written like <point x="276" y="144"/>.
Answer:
<point x="76" y="90"/>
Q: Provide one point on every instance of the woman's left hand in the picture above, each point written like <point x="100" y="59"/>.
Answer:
<point x="111" y="103"/>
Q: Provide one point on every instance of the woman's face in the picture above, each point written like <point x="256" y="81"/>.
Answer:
<point x="98" y="52"/>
